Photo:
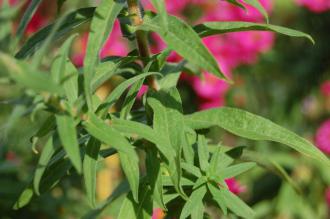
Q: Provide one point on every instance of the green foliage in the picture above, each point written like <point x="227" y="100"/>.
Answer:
<point x="181" y="165"/>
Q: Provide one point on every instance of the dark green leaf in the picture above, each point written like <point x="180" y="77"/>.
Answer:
<point x="72" y="22"/>
<point x="27" y="16"/>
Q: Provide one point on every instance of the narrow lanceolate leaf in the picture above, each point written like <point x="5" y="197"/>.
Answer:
<point x="68" y="134"/>
<point x="218" y="197"/>
<point x="250" y="126"/>
<point x="143" y="131"/>
<point x="120" y="89"/>
<point x="203" y="153"/>
<point x="46" y="154"/>
<point x="186" y="42"/>
<point x="128" y="157"/>
<point x="237" y="3"/>
<point x="235" y="204"/>
<point x="64" y="72"/>
<point x="72" y="22"/>
<point x="89" y="169"/>
<point x="22" y="73"/>
<point x="24" y="198"/>
<point x="213" y="28"/>
<point x="101" y="27"/>
<point x="161" y="8"/>
<point x="256" y="4"/>
<point x="196" y="197"/>
<point x="27" y="16"/>
<point x="237" y="169"/>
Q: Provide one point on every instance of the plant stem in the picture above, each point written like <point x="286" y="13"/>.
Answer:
<point x="141" y="37"/>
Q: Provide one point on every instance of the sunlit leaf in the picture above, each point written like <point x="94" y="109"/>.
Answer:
<point x="213" y="28"/>
<point x="253" y="127"/>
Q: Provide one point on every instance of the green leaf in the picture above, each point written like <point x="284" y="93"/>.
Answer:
<point x="237" y="3"/>
<point x="253" y="127"/>
<point x="154" y="175"/>
<point x="27" y="16"/>
<point x="105" y="70"/>
<point x="44" y="49"/>
<point x="186" y="42"/>
<point x="131" y="95"/>
<point x="168" y="122"/>
<point x="128" y="157"/>
<point x="213" y="28"/>
<point x="235" y="204"/>
<point x="63" y="71"/>
<point x="121" y="189"/>
<point x="101" y="27"/>
<point x="161" y="8"/>
<point x="236" y="170"/>
<point x="203" y="153"/>
<point x="198" y="211"/>
<point x="135" y="128"/>
<point x="218" y="197"/>
<point x="24" y="198"/>
<point x="195" y="197"/>
<point x="89" y="169"/>
<point x="256" y="4"/>
<point x="140" y="210"/>
<point x="46" y="155"/>
<point x="73" y="21"/>
<point x="66" y="128"/>
<point x="22" y="73"/>
<point x="119" y="90"/>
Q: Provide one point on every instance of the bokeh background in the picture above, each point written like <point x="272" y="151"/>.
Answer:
<point x="284" y="79"/>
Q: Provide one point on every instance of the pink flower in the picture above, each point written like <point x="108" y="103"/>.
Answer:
<point x="317" y="6"/>
<point x="325" y="88"/>
<point x="204" y="104"/>
<point x="157" y="213"/>
<point x="114" y="46"/>
<point x="234" y="186"/>
<point x="327" y="196"/>
<point x="142" y="91"/>
<point x="322" y="138"/>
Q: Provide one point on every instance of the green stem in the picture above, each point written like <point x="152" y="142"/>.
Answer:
<point x="141" y="37"/>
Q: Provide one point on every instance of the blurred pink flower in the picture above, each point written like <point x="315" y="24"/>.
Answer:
<point x="234" y="186"/>
<point x="317" y="6"/>
<point x="325" y="88"/>
<point x="114" y="46"/>
<point x="322" y="138"/>
<point x="204" y="104"/>
<point x="142" y="91"/>
<point x="327" y="196"/>
<point x="157" y="214"/>
<point x="209" y="86"/>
